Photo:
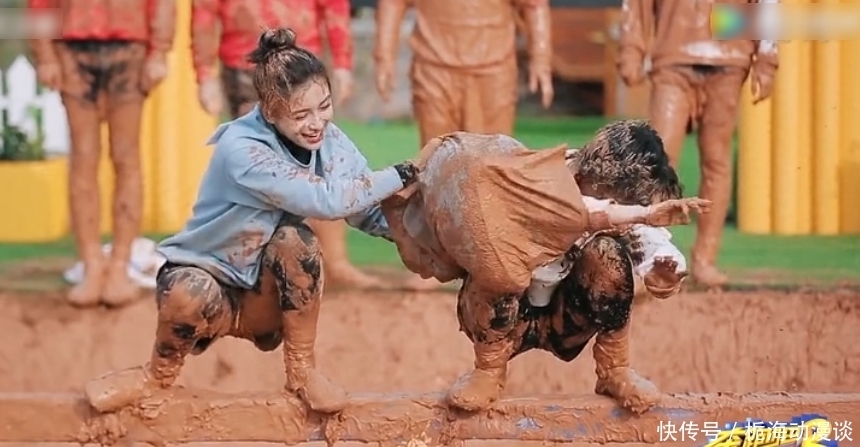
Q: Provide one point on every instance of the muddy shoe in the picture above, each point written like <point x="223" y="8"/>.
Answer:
<point x="118" y="389"/>
<point x="477" y="389"/>
<point x="320" y="393"/>
<point x="300" y="367"/>
<point x="615" y="378"/>
<point x="629" y="389"/>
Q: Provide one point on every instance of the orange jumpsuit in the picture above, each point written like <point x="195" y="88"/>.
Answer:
<point x="695" y="81"/>
<point x="464" y="68"/>
<point x="241" y="22"/>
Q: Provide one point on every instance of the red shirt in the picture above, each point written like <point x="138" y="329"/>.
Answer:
<point x="242" y="21"/>
<point x="150" y="21"/>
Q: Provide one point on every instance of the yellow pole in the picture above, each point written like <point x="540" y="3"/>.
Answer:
<point x="850" y="131"/>
<point x="786" y="138"/>
<point x="805" y="158"/>
<point x="826" y="135"/>
<point x="754" y="165"/>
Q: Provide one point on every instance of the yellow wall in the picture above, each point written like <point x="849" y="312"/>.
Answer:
<point x="799" y="154"/>
<point x="173" y="151"/>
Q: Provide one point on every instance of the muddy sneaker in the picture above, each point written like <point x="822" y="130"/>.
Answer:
<point x="118" y="389"/>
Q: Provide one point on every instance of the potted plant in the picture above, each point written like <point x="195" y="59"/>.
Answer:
<point x="33" y="186"/>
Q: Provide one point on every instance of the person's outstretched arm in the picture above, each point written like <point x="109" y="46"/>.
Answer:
<point x="292" y="188"/>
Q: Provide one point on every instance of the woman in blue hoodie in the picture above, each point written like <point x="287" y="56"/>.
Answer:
<point x="246" y="264"/>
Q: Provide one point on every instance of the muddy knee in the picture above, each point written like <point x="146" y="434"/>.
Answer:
<point x="192" y="311"/>
<point x="486" y="317"/>
<point x="294" y="260"/>
<point x="605" y="281"/>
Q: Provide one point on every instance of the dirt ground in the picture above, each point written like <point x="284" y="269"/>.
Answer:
<point x="386" y="342"/>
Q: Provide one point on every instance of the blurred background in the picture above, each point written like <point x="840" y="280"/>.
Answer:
<point x="794" y="212"/>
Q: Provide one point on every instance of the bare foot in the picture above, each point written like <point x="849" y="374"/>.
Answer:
<point x="708" y="275"/>
<point x="344" y="274"/>
<point x="119" y="289"/>
<point x="321" y="394"/>
<point x="419" y="284"/>
<point x="629" y="389"/>
<point x="89" y="291"/>
<point x="118" y="389"/>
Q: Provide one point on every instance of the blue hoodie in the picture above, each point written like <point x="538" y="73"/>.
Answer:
<point x="253" y="180"/>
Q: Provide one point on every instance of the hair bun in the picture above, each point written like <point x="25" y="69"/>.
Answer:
<point x="273" y="41"/>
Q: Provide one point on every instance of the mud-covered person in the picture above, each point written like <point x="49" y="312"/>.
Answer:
<point x="246" y="264"/>
<point x="595" y="282"/>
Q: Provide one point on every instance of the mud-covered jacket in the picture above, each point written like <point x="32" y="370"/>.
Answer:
<point x="677" y="32"/>
<point x="241" y="22"/>
<point x="150" y="21"/>
<point x="474" y="34"/>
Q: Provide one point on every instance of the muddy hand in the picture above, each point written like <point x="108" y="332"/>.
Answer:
<point x="345" y="85"/>
<point x="762" y="85"/>
<point x="50" y="75"/>
<point x="540" y="77"/>
<point x="154" y="71"/>
<point x="664" y="276"/>
<point x="210" y="97"/>
<point x="676" y="212"/>
<point x="385" y="80"/>
<point x="632" y="73"/>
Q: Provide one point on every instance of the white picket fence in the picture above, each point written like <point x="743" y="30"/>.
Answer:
<point x="22" y="96"/>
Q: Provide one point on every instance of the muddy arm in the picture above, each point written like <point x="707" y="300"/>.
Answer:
<point x="637" y="25"/>
<point x="389" y="19"/>
<point x="537" y="18"/>
<point x="43" y="49"/>
<point x="766" y="58"/>
<point x="204" y="38"/>
<point x="337" y="26"/>
<point x="162" y="25"/>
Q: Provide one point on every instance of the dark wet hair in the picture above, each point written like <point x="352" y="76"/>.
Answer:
<point x="626" y="161"/>
<point x="281" y="66"/>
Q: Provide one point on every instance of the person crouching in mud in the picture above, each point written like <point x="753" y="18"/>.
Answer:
<point x="246" y="264"/>
<point x="589" y="292"/>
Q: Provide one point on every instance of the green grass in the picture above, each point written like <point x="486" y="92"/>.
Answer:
<point x="825" y="258"/>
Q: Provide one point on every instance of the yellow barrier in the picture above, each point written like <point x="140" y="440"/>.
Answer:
<point x="799" y="154"/>
<point x="173" y="137"/>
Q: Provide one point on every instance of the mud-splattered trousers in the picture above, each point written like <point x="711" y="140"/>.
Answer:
<point x="195" y="309"/>
<point x="594" y="299"/>
<point x="707" y="97"/>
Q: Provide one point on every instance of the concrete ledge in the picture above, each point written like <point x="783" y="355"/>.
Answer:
<point x="182" y="415"/>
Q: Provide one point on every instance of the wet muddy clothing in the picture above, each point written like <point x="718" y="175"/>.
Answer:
<point x="102" y="71"/>
<point x="595" y="297"/>
<point x="695" y="94"/>
<point x="290" y="274"/>
<point x="253" y="181"/>
<point x="464" y="70"/>
<point x="151" y="22"/>
<point x="450" y="99"/>
<point x="238" y="84"/>
<point x="240" y="22"/>
<point x="677" y="32"/>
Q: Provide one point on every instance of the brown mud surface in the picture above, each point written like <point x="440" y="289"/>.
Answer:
<point x="388" y="342"/>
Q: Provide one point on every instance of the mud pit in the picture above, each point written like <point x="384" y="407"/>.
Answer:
<point x="389" y="342"/>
